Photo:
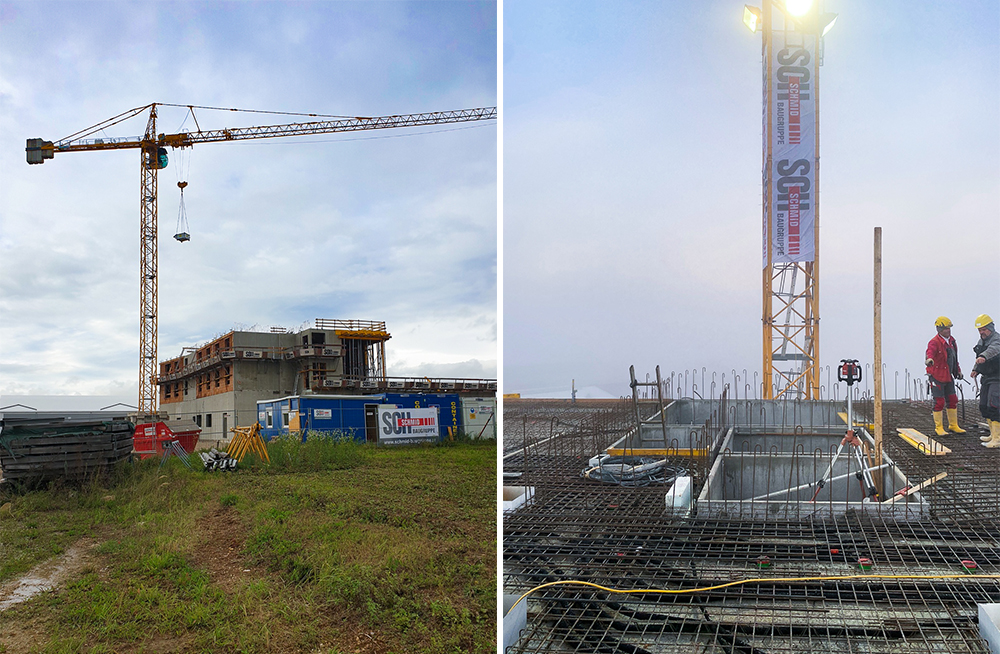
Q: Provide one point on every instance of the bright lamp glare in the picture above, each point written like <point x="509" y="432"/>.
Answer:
<point x="798" y="7"/>
<point x="751" y="17"/>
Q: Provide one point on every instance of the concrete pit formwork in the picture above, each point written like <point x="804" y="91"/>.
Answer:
<point x="773" y="458"/>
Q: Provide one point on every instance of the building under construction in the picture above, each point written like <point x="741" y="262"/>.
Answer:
<point x="739" y="524"/>
<point x="218" y="384"/>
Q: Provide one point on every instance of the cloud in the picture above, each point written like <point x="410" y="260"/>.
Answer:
<point x="390" y="225"/>
<point x="471" y="369"/>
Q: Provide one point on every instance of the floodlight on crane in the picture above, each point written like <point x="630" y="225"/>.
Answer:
<point x="798" y="7"/>
<point x="805" y="16"/>
<point x="826" y="22"/>
<point x="751" y="18"/>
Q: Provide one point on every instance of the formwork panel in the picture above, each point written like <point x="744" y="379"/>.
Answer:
<point x="798" y="474"/>
<point x="755" y="413"/>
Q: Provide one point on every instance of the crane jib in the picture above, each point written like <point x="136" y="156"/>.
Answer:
<point x="38" y="150"/>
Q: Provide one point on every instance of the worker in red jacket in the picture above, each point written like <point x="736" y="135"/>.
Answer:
<point x="942" y="371"/>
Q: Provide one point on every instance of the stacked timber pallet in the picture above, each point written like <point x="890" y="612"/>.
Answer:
<point x="70" y="445"/>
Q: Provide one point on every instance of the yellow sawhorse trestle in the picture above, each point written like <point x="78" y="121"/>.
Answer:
<point x="247" y="439"/>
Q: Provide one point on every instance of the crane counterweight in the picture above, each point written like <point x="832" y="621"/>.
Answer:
<point x="38" y="150"/>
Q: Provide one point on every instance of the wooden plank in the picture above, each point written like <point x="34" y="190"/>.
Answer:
<point x="79" y="448"/>
<point x="925" y="444"/>
<point x="58" y="464"/>
<point x="65" y="457"/>
<point x="74" y="475"/>
<point x="57" y="450"/>
<point x="910" y="491"/>
<point x="34" y="439"/>
<point x="867" y="425"/>
<point x="651" y="451"/>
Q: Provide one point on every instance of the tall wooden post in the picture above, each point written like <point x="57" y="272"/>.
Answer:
<point x="878" y="346"/>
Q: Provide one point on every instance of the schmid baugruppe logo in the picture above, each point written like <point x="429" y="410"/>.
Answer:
<point x="400" y="422"/>
<point x="791" y="147"/>
<point x="793" y="189"/>
<point x="793" y="221"/>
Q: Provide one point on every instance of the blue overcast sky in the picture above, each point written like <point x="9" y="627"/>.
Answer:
<point x="393" y="225"/>
<point x="632" y="187"/>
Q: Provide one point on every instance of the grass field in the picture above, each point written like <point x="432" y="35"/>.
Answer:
<point x="333" y="548"/>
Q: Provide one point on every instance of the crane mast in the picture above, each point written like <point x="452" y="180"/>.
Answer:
<point x="148" y="270"/>
<point x="152" y="149"/>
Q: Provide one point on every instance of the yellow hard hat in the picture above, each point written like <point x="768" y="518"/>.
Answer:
<point x="982" y="321"/>
<point x="942" y="321"/>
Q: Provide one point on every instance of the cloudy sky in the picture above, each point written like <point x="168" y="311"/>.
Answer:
<point x="395" y="225"/>
<point x="632" y="187"/>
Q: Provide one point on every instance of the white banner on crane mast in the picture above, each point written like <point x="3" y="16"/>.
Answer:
<point x="791" y="181"/>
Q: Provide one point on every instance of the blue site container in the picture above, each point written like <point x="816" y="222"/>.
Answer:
<point x="448" y="404"/>
<point x="352" y="416"/>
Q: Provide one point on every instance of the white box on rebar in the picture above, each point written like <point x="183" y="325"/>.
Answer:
<point x="678" y="498"/>
<point x="515" y="496"/>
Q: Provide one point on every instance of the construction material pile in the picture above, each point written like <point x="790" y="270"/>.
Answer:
<point x="631" y="470"/>
<point x="216" y="460"/>
<point x="72" y="445"/>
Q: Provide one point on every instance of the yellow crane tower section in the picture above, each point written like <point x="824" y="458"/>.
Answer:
<point x="153" y="156"/>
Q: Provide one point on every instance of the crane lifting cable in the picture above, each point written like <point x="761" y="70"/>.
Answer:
<point x="181" y="233"/>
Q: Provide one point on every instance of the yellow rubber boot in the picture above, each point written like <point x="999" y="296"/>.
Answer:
<point x="939" y="423"/>
<point x="953" y="422"/>
<point x="995" y="433"/>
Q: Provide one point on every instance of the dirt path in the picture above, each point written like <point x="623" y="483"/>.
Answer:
<point x="24" y="634"/>
<point x="47" y="575"/>
<point x="219" y="550"/>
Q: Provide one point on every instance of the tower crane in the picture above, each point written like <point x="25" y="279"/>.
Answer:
<point x="153" y="156"/>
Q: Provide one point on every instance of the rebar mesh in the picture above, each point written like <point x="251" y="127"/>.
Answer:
<point x="622" y="538"/>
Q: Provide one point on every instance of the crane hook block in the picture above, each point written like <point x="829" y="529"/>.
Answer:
<point x="181" y="185"/>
